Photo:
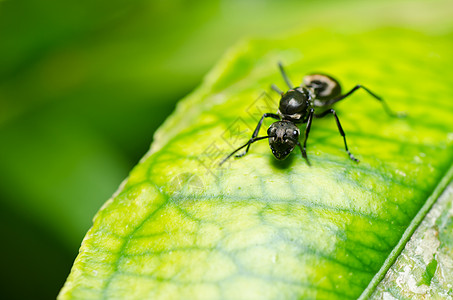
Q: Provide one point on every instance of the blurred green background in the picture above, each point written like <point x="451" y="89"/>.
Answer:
<point x="84" y="85"/>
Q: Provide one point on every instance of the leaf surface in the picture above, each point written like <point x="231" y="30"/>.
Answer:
<point x="180" y="227"/>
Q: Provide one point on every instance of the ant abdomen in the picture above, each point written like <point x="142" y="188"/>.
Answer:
<point x="325" y="87"/>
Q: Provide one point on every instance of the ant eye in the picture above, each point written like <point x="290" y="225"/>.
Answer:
<point x="295" y="132"/>
<point x="270" y="131"/>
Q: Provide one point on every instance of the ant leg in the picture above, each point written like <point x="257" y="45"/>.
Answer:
<point x="251" y="141"/>
<point x="285" y="77"/>
<point x="332" y="111"/>
<point x="307" y="131"/>
<point x="275" y="88"/>
<point x="384" y="104"/>
<point x="257" y="130"/>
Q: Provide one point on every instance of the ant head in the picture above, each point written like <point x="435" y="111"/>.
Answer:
<point x="284" y="137"/>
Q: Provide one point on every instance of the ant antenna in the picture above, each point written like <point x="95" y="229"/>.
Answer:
<point x="252" y="140"/>
<point x="285" y="77"/>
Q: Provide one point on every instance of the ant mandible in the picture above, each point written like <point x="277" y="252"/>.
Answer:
<point x="297" y="106"/>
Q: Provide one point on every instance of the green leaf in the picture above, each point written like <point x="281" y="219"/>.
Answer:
<point x="180" y="227"/>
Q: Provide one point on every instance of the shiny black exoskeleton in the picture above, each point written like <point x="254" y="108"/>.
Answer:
<point x="298" y="106"/>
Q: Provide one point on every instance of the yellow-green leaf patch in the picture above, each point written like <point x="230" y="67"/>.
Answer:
<point x="183" y="228"/>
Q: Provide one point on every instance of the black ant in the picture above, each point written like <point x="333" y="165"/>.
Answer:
<point x="297" y="106"/>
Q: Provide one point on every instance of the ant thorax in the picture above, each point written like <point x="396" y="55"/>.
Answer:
<point x="295" y="104"/>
